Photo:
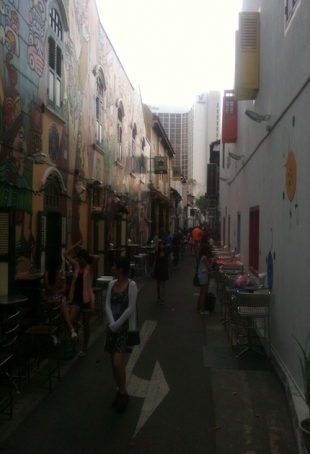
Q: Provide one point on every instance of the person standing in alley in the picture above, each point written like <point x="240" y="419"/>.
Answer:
<point x="55" y="291"/>
<point x="81" y="294"/>
<point x="204" y="265"/>
<point x="120" y="308"/>
<point x="161" y="269"/>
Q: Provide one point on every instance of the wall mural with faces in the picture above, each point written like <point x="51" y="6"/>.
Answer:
<point x="24" y="64"/>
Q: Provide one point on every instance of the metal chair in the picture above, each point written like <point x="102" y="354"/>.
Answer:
<point x="43" y="339"/>
<point x="226" y="304"/>
<point x="9" y="338"/>
<point x="252" y="321"/>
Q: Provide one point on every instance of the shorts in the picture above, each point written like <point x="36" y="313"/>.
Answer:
<point x="84" y="307"/>
<point x="203" y="278"/>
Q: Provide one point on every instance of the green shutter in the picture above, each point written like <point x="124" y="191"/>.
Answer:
<point x="7" y="251"/>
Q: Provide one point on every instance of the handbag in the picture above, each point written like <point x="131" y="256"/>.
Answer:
<point x="196" y="280"/>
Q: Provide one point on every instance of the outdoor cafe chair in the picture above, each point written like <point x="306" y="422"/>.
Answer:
<point x="252" y="321"/>
<point x="9" y="350"/>
<point x="42" y="344"/>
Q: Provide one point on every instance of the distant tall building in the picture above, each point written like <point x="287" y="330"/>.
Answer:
<point x="190" y="132"/>
<point x="178" y="124"/>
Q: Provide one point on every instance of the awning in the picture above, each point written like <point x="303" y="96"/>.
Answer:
<point x="157" y="194"/>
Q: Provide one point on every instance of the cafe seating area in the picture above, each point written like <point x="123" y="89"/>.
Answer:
<point x="245" y="305"/>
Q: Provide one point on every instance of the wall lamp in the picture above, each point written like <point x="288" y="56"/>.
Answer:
<point x="79" y="187"/>
<point x="236" y="157"/>
<point x="39" y="158"/>
<point x="93" y="183"/>
<point x="257" y="117"/>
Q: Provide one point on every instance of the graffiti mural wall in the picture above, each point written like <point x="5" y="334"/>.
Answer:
<point x="69" y="116"/>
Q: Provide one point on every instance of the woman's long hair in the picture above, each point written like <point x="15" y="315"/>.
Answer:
<point x="158" y="250"/>
<point x="53" y="267"/>
<point x="204" y="250"/>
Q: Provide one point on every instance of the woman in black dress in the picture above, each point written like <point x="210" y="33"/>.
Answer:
<point x="120" y="308"/>
<point x="161" y="269"/>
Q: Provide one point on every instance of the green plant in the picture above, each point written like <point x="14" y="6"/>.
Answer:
<point x="305" y="368"/>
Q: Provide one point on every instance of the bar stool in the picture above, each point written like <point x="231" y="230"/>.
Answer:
<point x="139" y="264"/>
<point x="145" y="261"/>
<point x="98" y="303"/>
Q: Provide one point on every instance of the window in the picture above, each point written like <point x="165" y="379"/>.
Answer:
<point x="55" y="59"/>
<point x="254" y="240"/>
<point x="51" y="194"/>
<point x="99" y="111"/>
<point x="119" y="134"/>
<point x="133" y="148"/>
<point x="289" y="10"/>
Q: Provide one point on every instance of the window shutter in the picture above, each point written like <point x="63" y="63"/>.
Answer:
<point x="51" y="52"/>
<point x="58" y="60"/>
<point x="7" y="251"/>
<point x="4" y="233"/>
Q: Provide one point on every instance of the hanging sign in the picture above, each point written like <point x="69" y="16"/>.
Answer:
<point x="160" y="165"/>
<point x="176" y="173"/>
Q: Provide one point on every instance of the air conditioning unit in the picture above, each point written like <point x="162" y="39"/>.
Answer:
<point x="247" y="56"/>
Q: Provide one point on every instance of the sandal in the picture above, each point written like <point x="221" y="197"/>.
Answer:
<point x="82" y="353"/>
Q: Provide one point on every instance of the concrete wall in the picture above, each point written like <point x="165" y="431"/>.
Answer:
<point x="263" y="181"/>
<point x="206" y="109"/>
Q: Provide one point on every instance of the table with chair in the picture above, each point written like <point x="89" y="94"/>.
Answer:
<point x="251" y="321"/>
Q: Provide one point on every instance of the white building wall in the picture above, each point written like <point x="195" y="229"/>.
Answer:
<point x="284" y="225"/>
<point x="206" y="130"/>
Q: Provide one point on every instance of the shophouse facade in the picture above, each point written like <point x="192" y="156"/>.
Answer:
<point x="73" y="150"/>
<point x="190" y="131"/>
<point x="264" y="169"/>
<point x="160" y="171"/>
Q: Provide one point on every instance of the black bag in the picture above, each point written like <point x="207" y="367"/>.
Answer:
<point x="134" y="337"/>
<point x="196" y="280"/>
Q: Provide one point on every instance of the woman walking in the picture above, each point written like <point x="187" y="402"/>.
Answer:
<point x="81" y="294"/>
<point x="204" y="264"/>
<point x="120" y="309"/>
<point x="161" y="269"/>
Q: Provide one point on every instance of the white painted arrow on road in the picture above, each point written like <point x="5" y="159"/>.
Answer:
<point x="153" y="391"/>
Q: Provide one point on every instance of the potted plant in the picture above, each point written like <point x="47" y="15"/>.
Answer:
<point x="304" y="425"/>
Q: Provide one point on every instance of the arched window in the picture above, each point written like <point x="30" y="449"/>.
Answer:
<point x="99" y="111"/>
<point x="51" y="193"/>
<point x="133" y="148"/>
<point x="119" y="134"/>
<point x="55" y="56"/>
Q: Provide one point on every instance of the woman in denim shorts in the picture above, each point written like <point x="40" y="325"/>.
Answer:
<point x="81" y="294"/>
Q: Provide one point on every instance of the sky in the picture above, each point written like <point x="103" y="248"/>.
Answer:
<point x="173" y="49"/>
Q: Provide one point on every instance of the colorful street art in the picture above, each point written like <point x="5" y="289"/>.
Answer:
<point x="31" y="124"/>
